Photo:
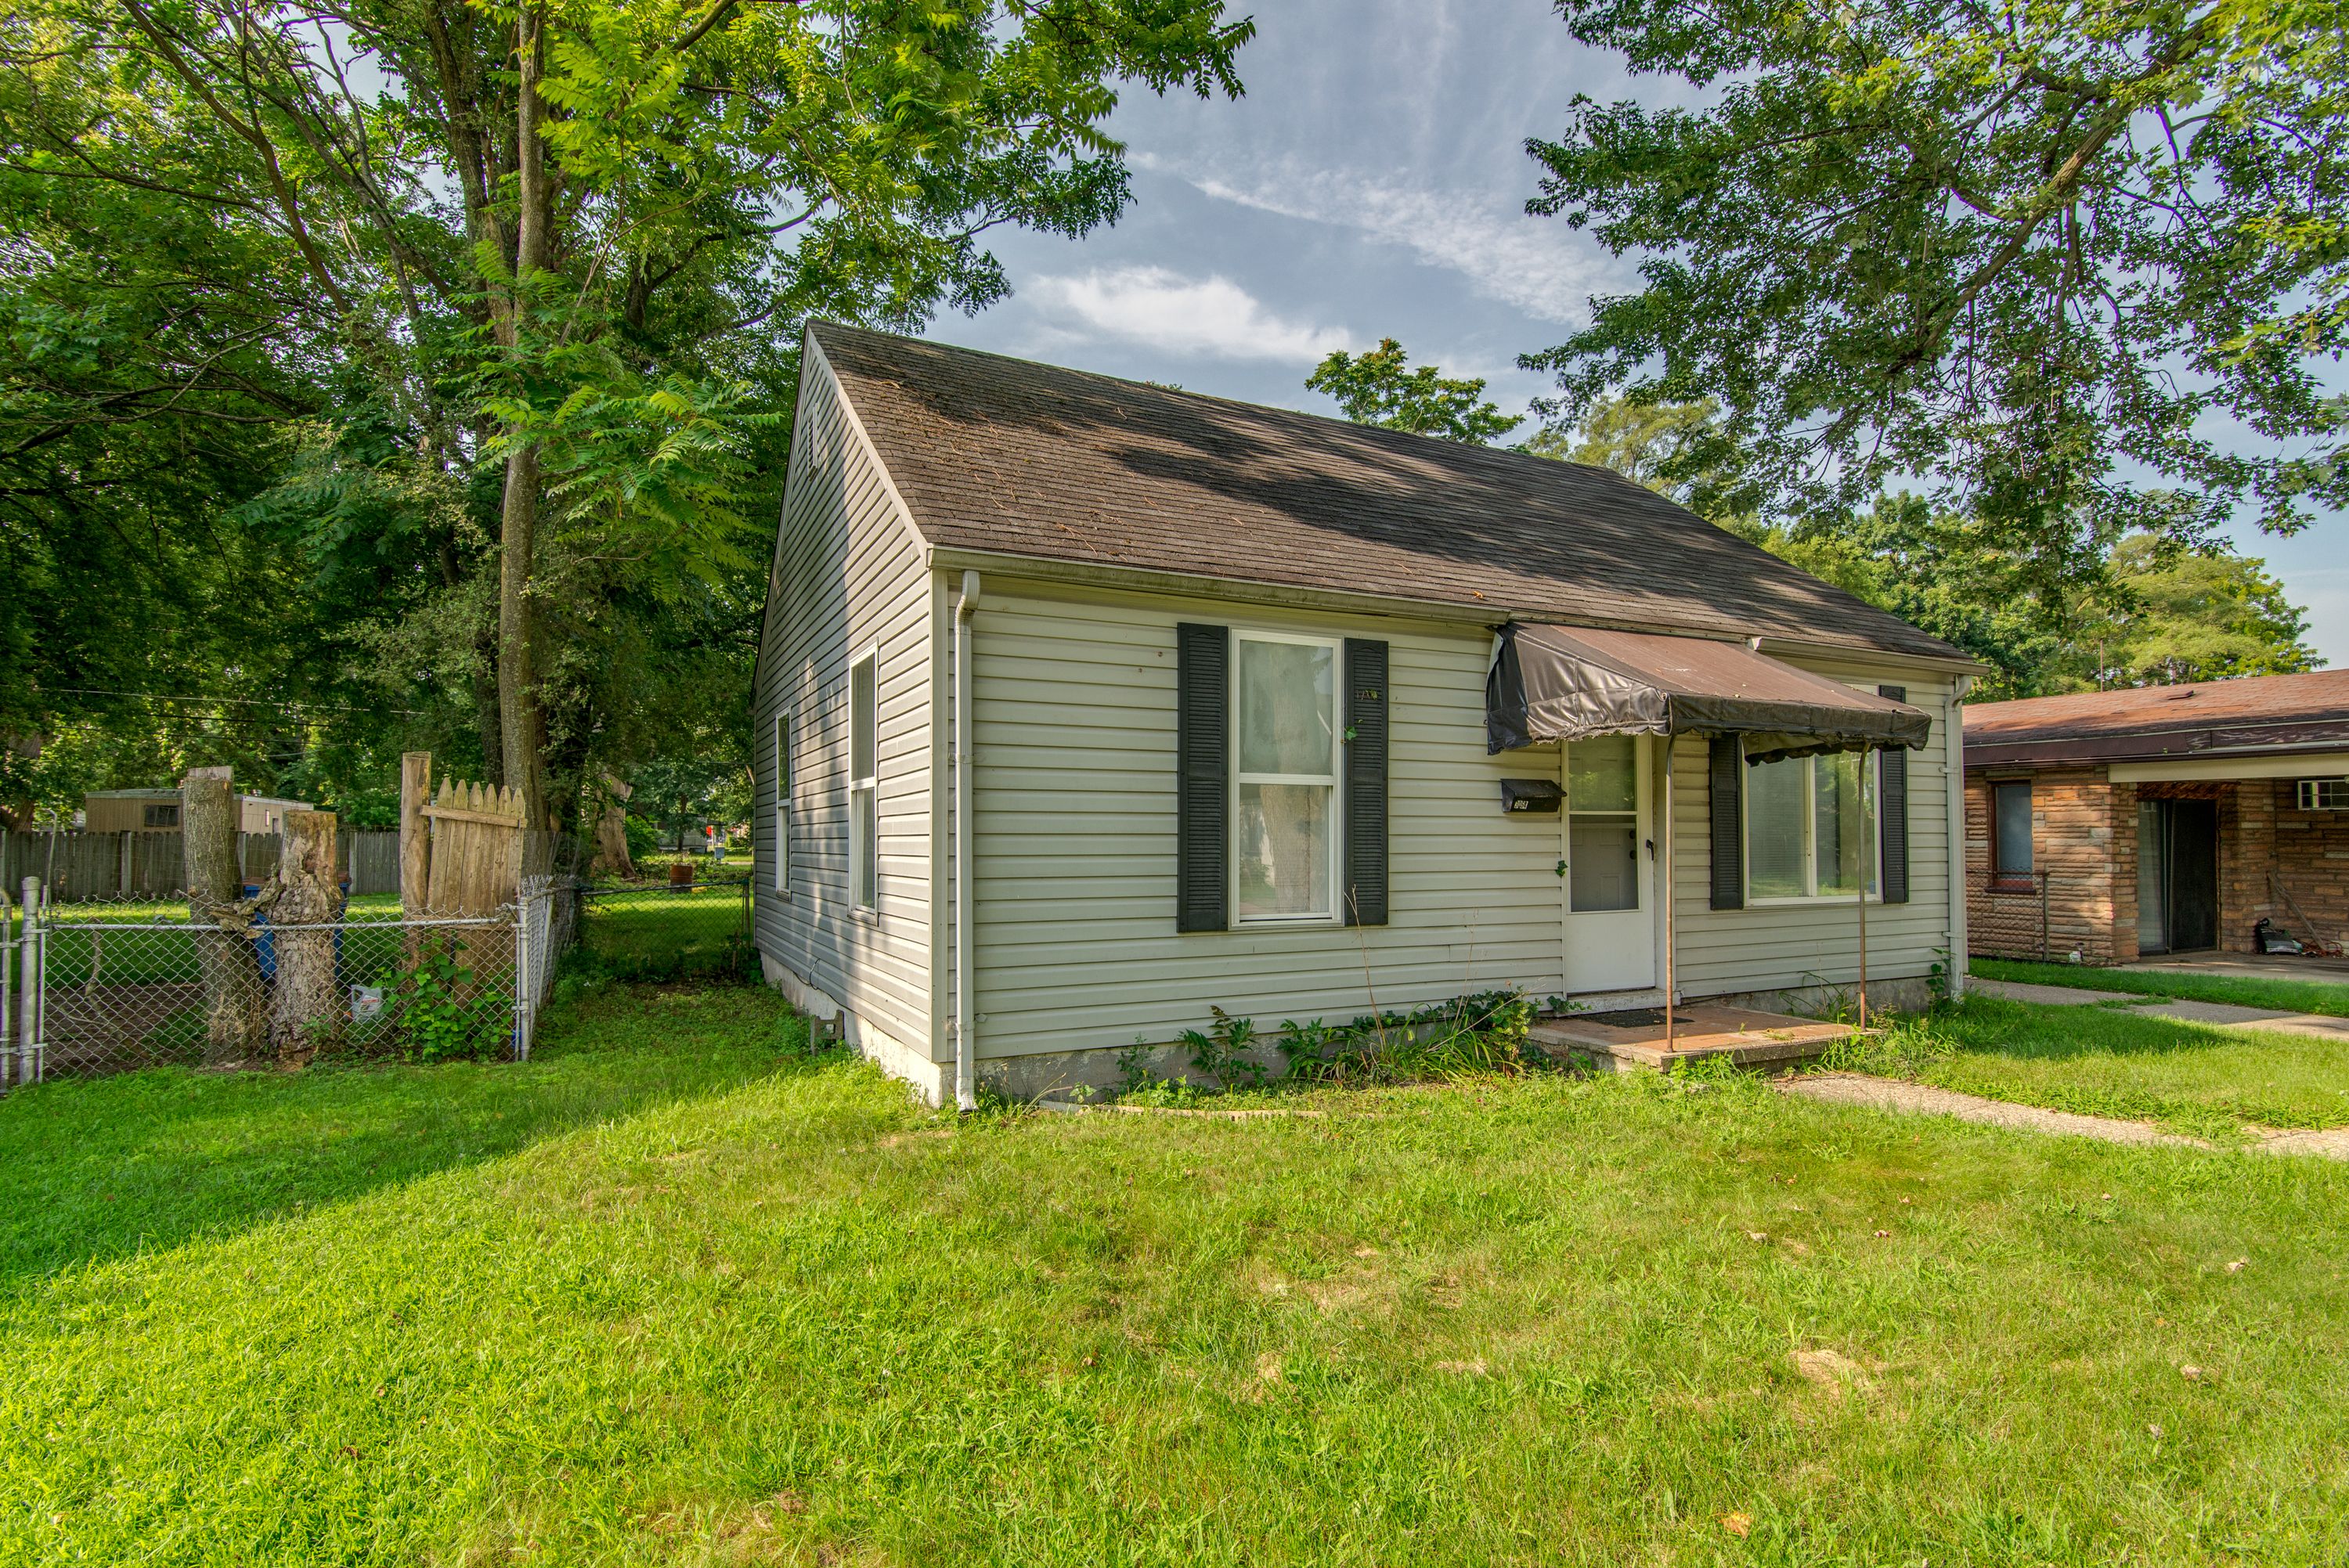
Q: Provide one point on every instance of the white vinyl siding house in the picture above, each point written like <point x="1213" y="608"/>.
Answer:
<point x="849" y="590"/>
<point x="1325" y="837"/>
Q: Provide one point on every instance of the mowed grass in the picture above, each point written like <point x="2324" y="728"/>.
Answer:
<point x="2198" y="1079"/>
<point x="2282" y="994"/>
<point x="675" y="1293"/>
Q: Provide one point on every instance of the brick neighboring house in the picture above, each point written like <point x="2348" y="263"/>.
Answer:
<point x="2116" y="824"/>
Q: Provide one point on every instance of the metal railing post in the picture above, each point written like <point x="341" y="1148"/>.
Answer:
<point x="7" y="988"/>
<point x="28" y="1035"/>
<point x="2044" y="951"/>
<point x="522" y="980"/>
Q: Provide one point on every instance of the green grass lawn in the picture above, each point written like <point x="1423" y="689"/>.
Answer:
<point x="2110" y="1061"/>
<point x="672" y="1291"/>
<point x="2283" y="993"/>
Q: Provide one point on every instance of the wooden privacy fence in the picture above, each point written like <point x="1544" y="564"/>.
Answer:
<point x="475" y="855"/>
<point x="77" y="866"/>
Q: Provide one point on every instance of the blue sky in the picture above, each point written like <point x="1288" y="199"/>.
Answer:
<point x="1372" y="183"/>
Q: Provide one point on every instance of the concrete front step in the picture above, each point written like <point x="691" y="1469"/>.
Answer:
<point x="1744" y="1036"/>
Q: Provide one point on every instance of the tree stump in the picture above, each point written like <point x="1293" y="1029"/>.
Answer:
<point x="235" y="1015"/>
<point x="306" y="1012"/>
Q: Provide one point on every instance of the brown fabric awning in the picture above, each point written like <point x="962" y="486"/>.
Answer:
<point x="1553" y="683"/>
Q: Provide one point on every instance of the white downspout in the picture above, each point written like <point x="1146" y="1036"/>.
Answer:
<point x="1953" y="742"/>
<point x="966" y="1026"/>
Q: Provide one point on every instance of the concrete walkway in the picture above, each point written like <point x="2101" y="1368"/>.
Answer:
<point x="2323" y="1026"/>
<point x="1923" y="1099"/>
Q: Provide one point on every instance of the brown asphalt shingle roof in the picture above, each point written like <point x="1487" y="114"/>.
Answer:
<point x="2165" y="720"/>
<point x="1004" y="455"/>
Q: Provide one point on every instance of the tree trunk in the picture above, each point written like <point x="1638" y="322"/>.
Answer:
<point x="521" y="725"/>
<point x="235" y="1020"/>
<point x="307" y="1011"/>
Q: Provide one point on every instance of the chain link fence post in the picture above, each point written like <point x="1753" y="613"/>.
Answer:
<point x="29" y="1063"/>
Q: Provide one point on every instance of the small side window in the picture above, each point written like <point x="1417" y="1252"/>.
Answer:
<point x="784" y="801"/>
<point x="2324" y="795"/>
<point x="2009" y="835"/>
<point x="863" y="807"/>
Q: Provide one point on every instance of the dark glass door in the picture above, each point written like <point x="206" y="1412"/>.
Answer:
<point x="2193" y="875"/>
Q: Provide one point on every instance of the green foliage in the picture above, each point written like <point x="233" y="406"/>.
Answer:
<point x="2021" y="250"/>
<point x="1220" y="1051"/>
<point x="443" y="1015"/>
<point x="2103" y="612"/>
<point x="1378" y="388"/>
<point x="292" y="291"/>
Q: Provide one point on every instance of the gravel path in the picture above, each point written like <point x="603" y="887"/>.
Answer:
<point x="1923" y="1099"/>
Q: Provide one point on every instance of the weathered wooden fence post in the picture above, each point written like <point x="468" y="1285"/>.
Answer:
<point x="233" y="1016"/>
<point x="309" y="1003"/>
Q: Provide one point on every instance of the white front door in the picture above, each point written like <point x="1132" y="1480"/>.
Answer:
<point x="1610" y="931"/>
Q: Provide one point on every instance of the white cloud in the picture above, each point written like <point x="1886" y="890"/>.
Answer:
<point x="1536" y="264"/>
<point x="1176" y="315"/>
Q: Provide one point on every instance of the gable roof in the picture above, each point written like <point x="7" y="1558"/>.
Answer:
<point x="1005" y="456"/>
<point x="2251" y="713"/>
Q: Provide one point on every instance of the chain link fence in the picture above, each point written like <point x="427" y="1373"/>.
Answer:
<point x="667" y="932"/>
<point x="110" y="985"/>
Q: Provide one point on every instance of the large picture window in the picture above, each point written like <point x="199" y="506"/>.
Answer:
<point x="863" y="807"/>
<point x="784" y="801"/>
<point x="1284" y="808"/>
<point x="1810" y="828"/>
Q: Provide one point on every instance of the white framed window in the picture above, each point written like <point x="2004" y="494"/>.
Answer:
<point x="784" y="801"/>
<point x="2323" y="794"/>
<point x="863" y="805"/>
<point x="1810" y="828"/>
<point x="1284" y="800"/>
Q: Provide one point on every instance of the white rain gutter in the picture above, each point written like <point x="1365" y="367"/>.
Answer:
<point x="1953" y="741"/>
<point x="966" y="1027"/>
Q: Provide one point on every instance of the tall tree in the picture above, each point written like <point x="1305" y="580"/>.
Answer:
<point x="2130" y="611"/>
<point x="2022" y="250"/>
<point x="556" y="251"/>
<point x="1378" y="387"/>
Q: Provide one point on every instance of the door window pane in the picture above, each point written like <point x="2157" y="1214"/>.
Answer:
<point x="1602" y="775"/>
<point x="1775" y="807"/>
<point x="1840" y="838"/>
<point x="1603" y="863"/>
<point x="1283" y="851"/>
<point x="1288" y="708"/>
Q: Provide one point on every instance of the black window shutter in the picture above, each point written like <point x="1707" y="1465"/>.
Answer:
<point x="1892" y="810"/>
<point x="1724" y="778"/>
<point x="1203" y="659"/>
<point x="1366" y="782"/>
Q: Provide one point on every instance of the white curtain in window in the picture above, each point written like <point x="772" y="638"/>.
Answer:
<point x="1288" y="751"/>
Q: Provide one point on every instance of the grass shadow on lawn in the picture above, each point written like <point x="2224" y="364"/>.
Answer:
<point x="2101" y="1061"/>
<point x="98" y="1169"/>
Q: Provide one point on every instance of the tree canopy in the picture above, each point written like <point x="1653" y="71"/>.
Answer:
<point x="443" y="351"/>
<point x="2079" y="270"/>
<point x="2137" y="610"/>
<point x="1378" y="387"/>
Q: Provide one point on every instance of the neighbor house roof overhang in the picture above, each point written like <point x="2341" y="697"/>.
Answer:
<point x="2252" y="717"/>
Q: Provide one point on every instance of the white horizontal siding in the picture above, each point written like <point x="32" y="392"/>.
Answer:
<point x="848" y="577"/>
<point x="1074" y="878"/>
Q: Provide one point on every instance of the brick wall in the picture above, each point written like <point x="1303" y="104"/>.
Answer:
<point x="2084" y="844"/>
<point x="2263" y="834"/>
